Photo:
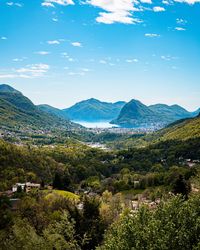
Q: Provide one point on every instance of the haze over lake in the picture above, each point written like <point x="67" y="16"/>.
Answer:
<point x="100" y="124"/>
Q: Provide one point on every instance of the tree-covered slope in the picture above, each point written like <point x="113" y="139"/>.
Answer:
<point x="170" y="113"/>
<point x="18" y="110"/>
<point x="53" y="111"/>
<point x="136" y="114"/>
<point x="94" y="110"/>
<point x="181" y="130"/>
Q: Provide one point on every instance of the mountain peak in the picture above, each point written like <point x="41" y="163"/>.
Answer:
<point x="135" y="101"/>
<point x="7" y="88"/>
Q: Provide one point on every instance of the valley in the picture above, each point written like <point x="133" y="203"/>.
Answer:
<point x="57" y="175"/>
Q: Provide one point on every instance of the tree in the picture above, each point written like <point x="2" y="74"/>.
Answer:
<point x="173" y="225"/>
<point x="57" y="183"/>
<point x="181" y="186"/>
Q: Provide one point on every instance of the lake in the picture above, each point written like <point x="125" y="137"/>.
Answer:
<point x="102" y="124"/>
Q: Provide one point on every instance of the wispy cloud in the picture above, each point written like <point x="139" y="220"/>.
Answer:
<point x="181" y="21"/>
<point x="102" y="62"/>
<point x="14" y="4"/>
<point x="180" y="29"/>
<point x="42" y="53"/>
<point x="188" y="1"/>
<point x="76" y="44"/>
<point x="168" y="58"/>
<point x="46" y="4"/>
<point x="29" y="71"/>
<point x="3" y="38"/>
<point x="167" y="2"/>
<point x="34" y="70"/>
<point x="152" y="35"/>
<point x="146" y="1"/>
<point x="50" y="3"/>
<point x="19" y="59"/>
<point x="53" y="42"/>
<point x="132" y="60"/>
<point x="158" y="9"/>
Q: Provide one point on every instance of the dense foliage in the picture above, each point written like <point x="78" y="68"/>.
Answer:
<point x="173" y="225"/>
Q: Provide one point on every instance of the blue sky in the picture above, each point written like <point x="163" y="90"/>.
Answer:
<point x="63" y="51"/>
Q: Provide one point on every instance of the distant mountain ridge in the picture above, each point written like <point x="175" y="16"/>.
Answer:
<point x="53" y="111"/>
<point x="94" y="110"/>
<point x="136" y="114"/>
<point x="17" y="109"/>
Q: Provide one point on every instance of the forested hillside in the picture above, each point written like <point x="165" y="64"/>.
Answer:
<point x="18" y="110"/>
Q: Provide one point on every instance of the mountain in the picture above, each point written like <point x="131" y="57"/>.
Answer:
<point x="182" y="130"/>
<point x="136" y="114"/>
<point x="53" y="111"/>
<point x="7" y="88"/>
<point x="196" y="113"/>
<point x="170" y="113"/>
<point x="94" y="110"/>
<point x="18" y="110"/>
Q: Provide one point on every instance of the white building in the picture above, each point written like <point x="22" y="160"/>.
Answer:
<point x="27" y="186"/>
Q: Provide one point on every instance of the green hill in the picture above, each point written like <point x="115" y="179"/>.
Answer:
<point x="53" y="111"/>
<point x="18" y="110"/>
<point x="181" y="130"/>
<point x="94" y="110"/>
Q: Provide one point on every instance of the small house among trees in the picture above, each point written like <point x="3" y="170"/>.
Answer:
<point x="25" y="187"/>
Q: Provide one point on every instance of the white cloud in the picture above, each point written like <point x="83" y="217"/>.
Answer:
<point x="168" y="58"/>
<point x="4" y="38"/>
<point x="29" y="72"/>
<point x="19" y="59"/>
<point x="102" y="62"/>
<point x="43" y="53"/>
<point x="158" y="9"/>
<point x="76" y="73"/>
<point x="85" y="70"/>
<point x="152" y="35"/>
<point x="146" y="1"/>
<point x="188" y="1"/>
<point x="116" y="11"/>
<point x="45" y="4"/>
<point x="181" y="21"/>
<point x="70" y="59"/>
<point x="53" y="42"/>
<point x="33" y="70"/>
<point x="76" y="44"/>
<point x="50" y="3"/>
<point x="65" y="55"/>
<point x="14" y="4"/>
<point x="7" y="76"/>
<point x="55" y="19"/>
<point x="166" y="2"/>
<point x="132" y="60"/>
<point x="180" y="29"/>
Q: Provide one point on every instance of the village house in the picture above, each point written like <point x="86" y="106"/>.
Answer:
<point x="26" y="187"/>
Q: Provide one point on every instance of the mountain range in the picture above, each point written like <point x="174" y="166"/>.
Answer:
<point x="136" y="114"/>
<point x="94" y="110"/>
<point x="18" y="110"/>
